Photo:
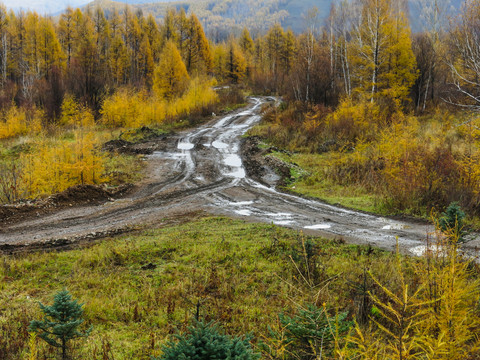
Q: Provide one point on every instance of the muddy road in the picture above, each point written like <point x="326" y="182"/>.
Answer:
<point x="202" y="171"/>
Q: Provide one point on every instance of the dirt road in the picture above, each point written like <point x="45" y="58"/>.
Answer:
<point x="202" y="170"/>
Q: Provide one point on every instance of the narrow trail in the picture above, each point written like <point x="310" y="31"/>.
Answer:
<point x="203" y="171"/>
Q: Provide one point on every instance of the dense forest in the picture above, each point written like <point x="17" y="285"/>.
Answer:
<point x="368" y="108"/>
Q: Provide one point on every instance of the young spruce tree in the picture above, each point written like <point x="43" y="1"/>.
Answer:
<point x="61" y="322"/>
<point x="207" y="342"/>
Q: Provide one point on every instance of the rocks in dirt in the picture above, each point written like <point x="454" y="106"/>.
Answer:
<point x="118" y="145"/>
<point x="126" y="147"/>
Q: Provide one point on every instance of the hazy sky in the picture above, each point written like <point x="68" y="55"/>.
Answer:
<point x="43" y="6"/>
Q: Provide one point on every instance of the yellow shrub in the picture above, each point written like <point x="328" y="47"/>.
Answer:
<point x="355" y="120"/>
<point x="56" y="165"/>
<point x="18" y="122"/>
<point x="199" y="95"/>
<point x="130" y="109"/>
<point x="123" y="109"/>
<point x="74" y="114"/>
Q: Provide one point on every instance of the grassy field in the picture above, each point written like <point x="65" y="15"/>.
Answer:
<point x="138" y="289"/>
<point x="313" y="182"/>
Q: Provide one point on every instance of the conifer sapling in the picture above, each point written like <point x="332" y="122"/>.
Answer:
<point x="61" y="322"/>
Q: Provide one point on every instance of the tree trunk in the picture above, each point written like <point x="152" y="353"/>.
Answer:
<point x="64" y="349"/>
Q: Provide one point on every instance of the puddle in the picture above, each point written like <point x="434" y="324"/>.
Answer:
<point x="395" y="227"/>
<point x="219" y="145"/>
<point x="318" y="227"/>
<point x="241" y="203"/>
<point x="233" y="160"/>
<point x="243" y="212"/>
<point x="185" y="146"/>
<point x="239" y="174"/>
<point x="283" y="222"/>
<point x="279" y="215"/>
<point x="167" y="155"/>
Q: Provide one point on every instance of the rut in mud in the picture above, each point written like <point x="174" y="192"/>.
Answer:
<point x="202" y="170"/>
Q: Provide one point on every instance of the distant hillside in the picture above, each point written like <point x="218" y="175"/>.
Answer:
<point x="221" y="17"/>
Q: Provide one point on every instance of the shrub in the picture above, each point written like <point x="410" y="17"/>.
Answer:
<point x="207" y="342"/>
<point x="451" y="221"/>
<point x="61" y="322"/>
<point x="311" y="332"/>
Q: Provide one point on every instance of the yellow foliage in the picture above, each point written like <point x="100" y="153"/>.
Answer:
<point x="124" y="109"/>
<point x="433" y="317"/>
<point x="32" y="344"/>
<point x="74" y="114"/>
<point x="198" y="95"/>
<point x="170" y="76"/>
<point x="131" y="109"/>
<point x="355" y="120"/>
<point x="452" y="292"/>
<point x="17" y="122"/>
<point x="56" y="165"/>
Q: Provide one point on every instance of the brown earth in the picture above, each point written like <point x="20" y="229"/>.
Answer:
<point x="78" y="195"/>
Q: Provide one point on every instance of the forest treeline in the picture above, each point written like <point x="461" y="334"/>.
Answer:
<point x="365" y="48"/>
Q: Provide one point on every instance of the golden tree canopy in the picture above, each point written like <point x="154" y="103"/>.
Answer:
<point x="171" y="76"/>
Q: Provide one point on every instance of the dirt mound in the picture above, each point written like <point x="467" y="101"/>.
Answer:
<point x="144" y="141"/>
<point x="74" y="196"/>
<point x="19" y="210"/>
<point x="252" y="155"/>
<point x="117" y="145"/>
<point x="81" y="194"/>
<point x="281" y="167"/>
<point x="264" y="167"/>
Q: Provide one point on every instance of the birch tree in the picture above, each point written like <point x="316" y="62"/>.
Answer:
<point x="464" y="57"/>
<point x="381" y="52"/>
<point x="433" y="21"/>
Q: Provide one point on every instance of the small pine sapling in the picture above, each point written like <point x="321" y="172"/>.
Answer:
<point x="451" y="222"/>
<point x="313" y="333"/>
<point x="207" y="342"/>
<point x="61" y="322"/>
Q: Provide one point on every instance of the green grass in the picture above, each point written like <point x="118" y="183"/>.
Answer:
<point x="240" y="274"/>
<point x="312" y="182"/>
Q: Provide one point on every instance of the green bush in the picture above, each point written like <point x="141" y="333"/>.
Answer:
<point x="312" y="330"/>
<point x="451" y="222"/>
<point x="207" y="342"/>
<point x="61" y="322"/>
